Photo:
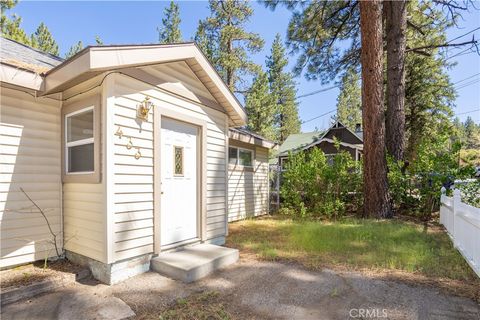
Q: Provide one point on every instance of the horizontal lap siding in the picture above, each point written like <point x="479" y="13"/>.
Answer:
<point x="84" y="208"/>
<point x="247" y="190"/>
<point x="134" y="179"/>
<point x="84" y="211"/>
<point x="29" y="159"/>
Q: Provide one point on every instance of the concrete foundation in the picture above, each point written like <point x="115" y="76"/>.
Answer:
<point x="193" y="262"/>
<point x="114" y="272"/>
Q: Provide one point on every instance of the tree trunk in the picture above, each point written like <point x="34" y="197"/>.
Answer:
<point x="396" y="25"/>
<point x="375" y="190"/>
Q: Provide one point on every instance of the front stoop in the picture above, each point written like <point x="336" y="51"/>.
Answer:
<point x="195" y="262"/>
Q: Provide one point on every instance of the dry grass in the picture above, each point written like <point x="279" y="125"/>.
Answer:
<point x="391" y="249"/>
<point x="206" y="305"/>
<point x="35" y="272"/>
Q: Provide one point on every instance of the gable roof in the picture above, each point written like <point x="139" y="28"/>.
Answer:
<point x="302" y="141"/>
<point x="57" y="75"/>
<point x="298" y="141"/>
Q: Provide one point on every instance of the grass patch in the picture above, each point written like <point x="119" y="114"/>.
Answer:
<point x="354" y="244"/>
<point x="204" y="305"/>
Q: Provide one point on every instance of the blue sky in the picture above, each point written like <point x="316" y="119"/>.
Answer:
<point x="136" y="22"/>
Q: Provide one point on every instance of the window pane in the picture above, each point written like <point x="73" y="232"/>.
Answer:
<point x="232" y="155"/>
<point x="178" y="154"/>
<point x="80" y="158"/>
<point x="245" y="158"/>
<point x="80" y="126"/>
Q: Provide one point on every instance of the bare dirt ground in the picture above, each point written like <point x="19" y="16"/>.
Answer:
<point x="252" y="289"/>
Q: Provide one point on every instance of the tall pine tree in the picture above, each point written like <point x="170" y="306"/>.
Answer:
<point x="283" y="89"/>
<point x="349" y="101"/>
<point x="170" y="30"/>
<point x="260" y="106"/>
<point x="42" y="39"/>
<point x="74" y="49"/>
<point x="227" y="43"/>
<point x="10" y="26"/>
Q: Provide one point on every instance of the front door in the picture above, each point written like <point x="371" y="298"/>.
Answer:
<point x="178" y="167"/>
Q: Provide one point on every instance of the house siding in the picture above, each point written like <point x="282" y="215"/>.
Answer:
<point x="248" y="190"/>
<point x="134" y="178"/>
<point x="30" y="158"/>
<point x="84" y="203"/>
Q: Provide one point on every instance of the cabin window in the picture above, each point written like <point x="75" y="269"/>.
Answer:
<point x="79" y="141"/>
<point x="178" y="161"/>
<point x="240" y="156"/>
<point x="232" y="155"/>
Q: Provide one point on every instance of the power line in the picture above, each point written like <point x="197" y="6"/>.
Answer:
<point x="463" y="85"/>
<point x="317" y="91"/>
<point x="476" y="74"/>
<point x="463" y="35"/>
<point x="322" y="115"/>
<point x="466" y="112"/>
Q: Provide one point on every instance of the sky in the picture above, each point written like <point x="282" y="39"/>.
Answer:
<point x="136" y="23"/>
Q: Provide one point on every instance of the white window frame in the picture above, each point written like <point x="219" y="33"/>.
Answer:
<point x="79" y="142"/>
<point x="237" y="163"/>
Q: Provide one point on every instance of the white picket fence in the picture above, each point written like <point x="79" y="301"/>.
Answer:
<point x="462" y="222"/>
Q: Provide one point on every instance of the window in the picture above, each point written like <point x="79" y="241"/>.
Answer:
<point x="245" y="157"/>
<point x="330" y="159"/>
<point x="232" y="155"/>
<point x="238" y="156"/>
<point x="178" y="160"/>
<point x="79" y="141"/>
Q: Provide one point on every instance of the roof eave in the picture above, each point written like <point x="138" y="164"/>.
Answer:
<point x="99" y="59"/>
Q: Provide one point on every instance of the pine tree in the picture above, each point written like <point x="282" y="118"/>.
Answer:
<point x="10" y="27"/>
<point x="170" y="30"/>
<point x="395" y="13"/>
<point x="260" y="107"/>
<point x="349" y="101"/>
<point x="42" y="39"/>
<point x="283" y="89"/>
<point x="232" y="44"/>
<point x="376" y="200"/>
<point x="74" y="49"/>
<point x="98" y="41"/>
<point x="205" y="42"/>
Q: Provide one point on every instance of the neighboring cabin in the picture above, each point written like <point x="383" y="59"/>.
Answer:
<point x="349" y="141"/>
<point x="126" y="149"/>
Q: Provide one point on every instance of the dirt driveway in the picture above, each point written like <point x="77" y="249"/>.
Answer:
<point x="260" y="290"/>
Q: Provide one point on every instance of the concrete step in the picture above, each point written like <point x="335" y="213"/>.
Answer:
<point x="193" y="262"/>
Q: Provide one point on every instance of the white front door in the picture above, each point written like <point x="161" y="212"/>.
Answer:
<point x="178" y="167"/>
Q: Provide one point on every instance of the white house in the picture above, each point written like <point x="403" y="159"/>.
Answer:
<point x="124" y="147"/>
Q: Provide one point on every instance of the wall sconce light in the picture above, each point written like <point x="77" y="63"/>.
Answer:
<point x="144" y="108"/>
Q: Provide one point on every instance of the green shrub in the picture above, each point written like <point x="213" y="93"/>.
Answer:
<point x="470" y="193"/>
<point x="312" y="186"/>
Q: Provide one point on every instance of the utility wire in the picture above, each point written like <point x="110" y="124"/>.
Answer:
<point x="466" y="112"/>
<point x="463" y="85"/>
<point x="317" y="91"/>
<point x="463" y="35"/>
<point x="476" y="74"/>
<point x="322" y="115"/>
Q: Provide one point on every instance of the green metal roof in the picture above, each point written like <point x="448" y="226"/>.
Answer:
<point x="298" y="141"/>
